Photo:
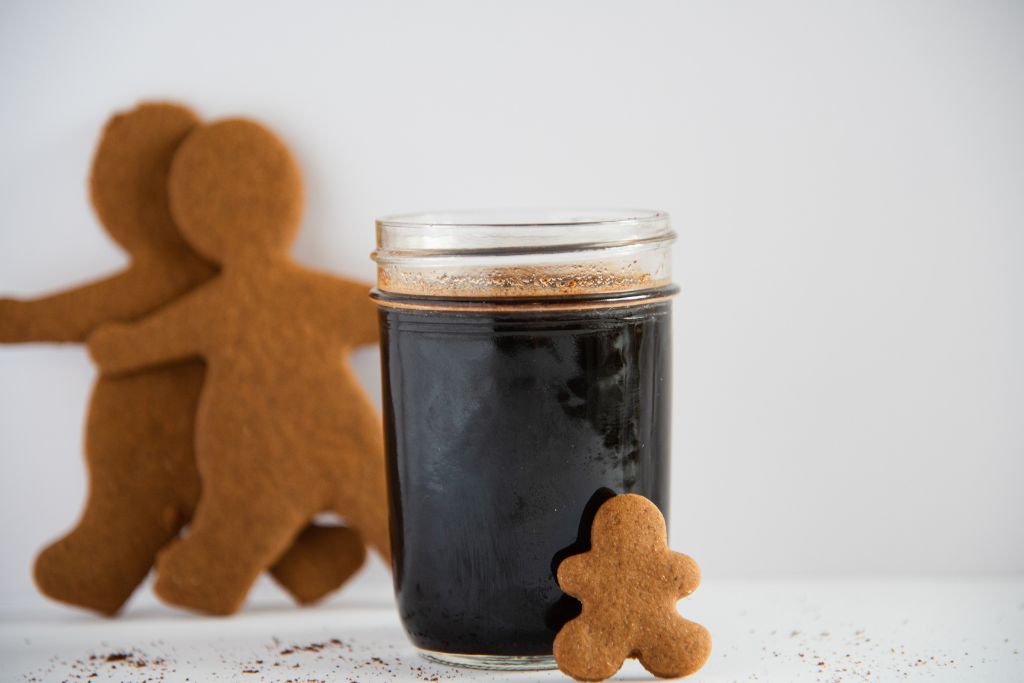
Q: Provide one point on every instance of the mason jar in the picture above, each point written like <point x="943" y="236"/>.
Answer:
<point x="526" y="360"/>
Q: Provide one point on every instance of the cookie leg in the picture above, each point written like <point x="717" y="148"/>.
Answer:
<point x="680" y="652"/>
<point x="142" y="484"/>
<point x="586" y="654"/>
<point x="321" y="559"/>
<point x="106" y="556"/>
<point x="362" y="496"/>
<point x="235" y="534"/>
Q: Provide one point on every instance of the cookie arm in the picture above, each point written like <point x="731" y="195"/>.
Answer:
<point x="573" y="574"/>
<point x="173" y="333"/>
<point x="364" y="321"/>
<point x="349" y="310"/>
<point x="71" y="315"/>
<point x="686" y="573"/>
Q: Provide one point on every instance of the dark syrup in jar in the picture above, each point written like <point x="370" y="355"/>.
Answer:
<point x="504" y="432"/>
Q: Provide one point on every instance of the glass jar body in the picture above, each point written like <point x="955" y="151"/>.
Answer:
<point x="504" y="430"/>
<point x="526" y="364"/>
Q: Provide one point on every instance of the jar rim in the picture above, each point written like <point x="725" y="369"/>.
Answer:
<point x="523" y="253"/>
<point x="512" y="231"/>
<point x="521" y="217"/>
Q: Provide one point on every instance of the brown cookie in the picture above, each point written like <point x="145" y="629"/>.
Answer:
<point x="284" y="429"/>
<point x="143" y="483"/>
<point x="629" y="583"/>
<point x="319" y="560"/>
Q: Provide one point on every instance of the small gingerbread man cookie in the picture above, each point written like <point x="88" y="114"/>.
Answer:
<point x="629" y="583"/>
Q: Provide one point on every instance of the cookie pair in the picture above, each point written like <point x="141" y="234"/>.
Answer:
<point x="224" y="401"/>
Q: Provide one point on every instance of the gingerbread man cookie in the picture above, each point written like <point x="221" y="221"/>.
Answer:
<point x="629" y="583"/>
<point x="284" y="429"/>
<point x="143" y="483"/>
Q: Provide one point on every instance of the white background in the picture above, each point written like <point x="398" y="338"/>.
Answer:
<point x="847" y="180"/>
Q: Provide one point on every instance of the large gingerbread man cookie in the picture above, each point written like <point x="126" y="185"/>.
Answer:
<point x="139" y="440"/>
<point x="284" y="430"/>
<point x="629" y="583"/>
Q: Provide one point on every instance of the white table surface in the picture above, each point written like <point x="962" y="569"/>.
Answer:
<point x="764" y="630"/>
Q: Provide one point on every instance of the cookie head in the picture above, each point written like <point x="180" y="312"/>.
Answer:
<point x="235" y="191"/>
<point x="629" y="521"/>
<point x="128" y="182"/>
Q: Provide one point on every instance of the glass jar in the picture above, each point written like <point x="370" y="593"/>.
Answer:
<point x="526" y="360"/>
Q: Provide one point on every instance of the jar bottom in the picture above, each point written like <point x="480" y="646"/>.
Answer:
<point x="492" y="662"/>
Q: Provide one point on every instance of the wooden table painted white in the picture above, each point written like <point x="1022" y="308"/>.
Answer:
<point x="764" y="630"/>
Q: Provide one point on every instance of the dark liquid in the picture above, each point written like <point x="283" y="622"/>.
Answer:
<point x="504" y="432"/>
